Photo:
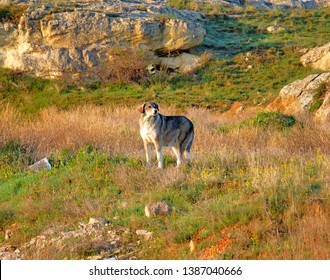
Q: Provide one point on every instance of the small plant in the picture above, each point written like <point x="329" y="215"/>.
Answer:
<point x="318" y="97"/>
<point x="11" y="13"/>
<point x="271" y="119"/>
<point x="123" y="65"/>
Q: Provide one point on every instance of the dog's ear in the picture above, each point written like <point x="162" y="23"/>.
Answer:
<point x="141" y="108"/>
<point x="155" y="105"/>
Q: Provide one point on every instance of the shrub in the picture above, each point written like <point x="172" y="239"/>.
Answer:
<point x="123" y="65"/>
<point x="271" y="119"/>
<point x="11" y="13"/>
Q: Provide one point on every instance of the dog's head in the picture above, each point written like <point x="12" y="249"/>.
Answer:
<point x="149" y="109"/>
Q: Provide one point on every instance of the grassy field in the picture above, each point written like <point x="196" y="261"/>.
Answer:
<point x="251" y="193"/>
<point x="258" y="187"/>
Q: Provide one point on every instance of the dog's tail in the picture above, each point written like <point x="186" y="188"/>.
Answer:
<point x="188" y="140"/>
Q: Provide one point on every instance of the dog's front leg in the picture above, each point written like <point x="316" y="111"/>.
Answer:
<point x="159" y="155"/>
<point x="147" y="147"/>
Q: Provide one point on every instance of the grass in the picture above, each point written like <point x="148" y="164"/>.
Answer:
<point x="261" y="188"/>
<point x="258" y="187"/>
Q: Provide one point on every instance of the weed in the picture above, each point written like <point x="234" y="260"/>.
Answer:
<point x="271" y="119"/>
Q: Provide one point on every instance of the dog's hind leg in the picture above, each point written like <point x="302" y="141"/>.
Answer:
<point x="178" y="154"/>
<point x="187" y="156"/>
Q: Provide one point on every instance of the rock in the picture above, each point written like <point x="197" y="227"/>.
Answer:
<point x="192" y="246"/>
<point x="10" y="252"/>
<point x="306" y="4"/>
<point x="269" y="4"/>
<point x="99" y="221"/>
<point x="323" y="113"/>
<point x="302" y="97"/>
<point x="146" y="234"/>
<point x="77" y="38"/>
<point x="151" y="69"/>
<point x="40" y="165"/>
<point x="317" y="58"/>
<point x="159" y="208"/>
<point x="97" y="237"/>
<point x="274" y="29"/>
<point x="184" y="62"/>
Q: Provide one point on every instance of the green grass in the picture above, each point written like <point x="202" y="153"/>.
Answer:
<point x="260" y="184"/>
<point x="205" y="200"/>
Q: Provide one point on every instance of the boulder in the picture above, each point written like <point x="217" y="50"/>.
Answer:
<point x="76" y="38"/>
<point x="155" y="209"/>
<point x="317" y="58"/>
<point x="40" y="165"/>
<point x="275" y="29"/>
<point x="184" y="62"/>
<point x="301" y="97"/>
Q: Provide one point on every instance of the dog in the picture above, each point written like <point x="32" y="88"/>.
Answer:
<point x="161" y="131"/>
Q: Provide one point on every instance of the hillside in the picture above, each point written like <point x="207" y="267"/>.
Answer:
<point x="258" y="185"/>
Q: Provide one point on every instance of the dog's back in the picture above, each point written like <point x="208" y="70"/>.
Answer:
<point x="176" y="130"/>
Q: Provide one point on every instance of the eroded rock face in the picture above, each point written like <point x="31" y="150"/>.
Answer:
<point x="310" y="95"/>
<point x="98" y="237"/>
<point x="76" y="38"/>
<point x="307" y="4"/>
<point x="317" y="58"/>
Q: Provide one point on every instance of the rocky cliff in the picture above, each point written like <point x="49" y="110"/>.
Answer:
<point x="308" y="96"/>
<point x="77" y="38"/>
<point x="306" y="4"/>
<point x="317" y="58"/>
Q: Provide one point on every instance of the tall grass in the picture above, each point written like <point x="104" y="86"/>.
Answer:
<point x="251" y="193"/>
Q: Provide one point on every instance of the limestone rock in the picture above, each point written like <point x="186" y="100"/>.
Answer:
<point x="40" y="165"/>
<point x="76" y="38"/>
<point x="306" y="4"/>
<point x="323" y="113"/>
<point x="298" y="97"/>
<point x="274" y="29"/>
<point x="184" y="62"/>
<point x="99" y="236"/>
<point x="318" y="58"/>
<point x="146" y="234"/>
<point x="159" y="208"/>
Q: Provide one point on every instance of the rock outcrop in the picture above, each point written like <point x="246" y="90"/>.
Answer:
<point x="310" y="95"/>
<point x="317" y="58"/>
<point x="306" y="4"/>
<point x="76" y="38"/>
<point x="99" y="237"/>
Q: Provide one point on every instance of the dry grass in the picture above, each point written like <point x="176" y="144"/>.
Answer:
<point x="268" y="189"/>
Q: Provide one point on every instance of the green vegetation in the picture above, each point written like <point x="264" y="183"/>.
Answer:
<point x="271" y="119"/>
<point x="257" y="189"/>
<point x="11" y="13"/>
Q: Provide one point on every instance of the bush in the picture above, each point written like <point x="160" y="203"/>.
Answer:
<point x="271" y="119"/>
<point x="124" y="65"/>
<point x="11" y="13"/>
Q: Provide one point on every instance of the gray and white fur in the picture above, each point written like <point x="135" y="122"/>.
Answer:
<point x="161" y="131"/>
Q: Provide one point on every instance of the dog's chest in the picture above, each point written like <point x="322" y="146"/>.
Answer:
<point x="148" y="132"/>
